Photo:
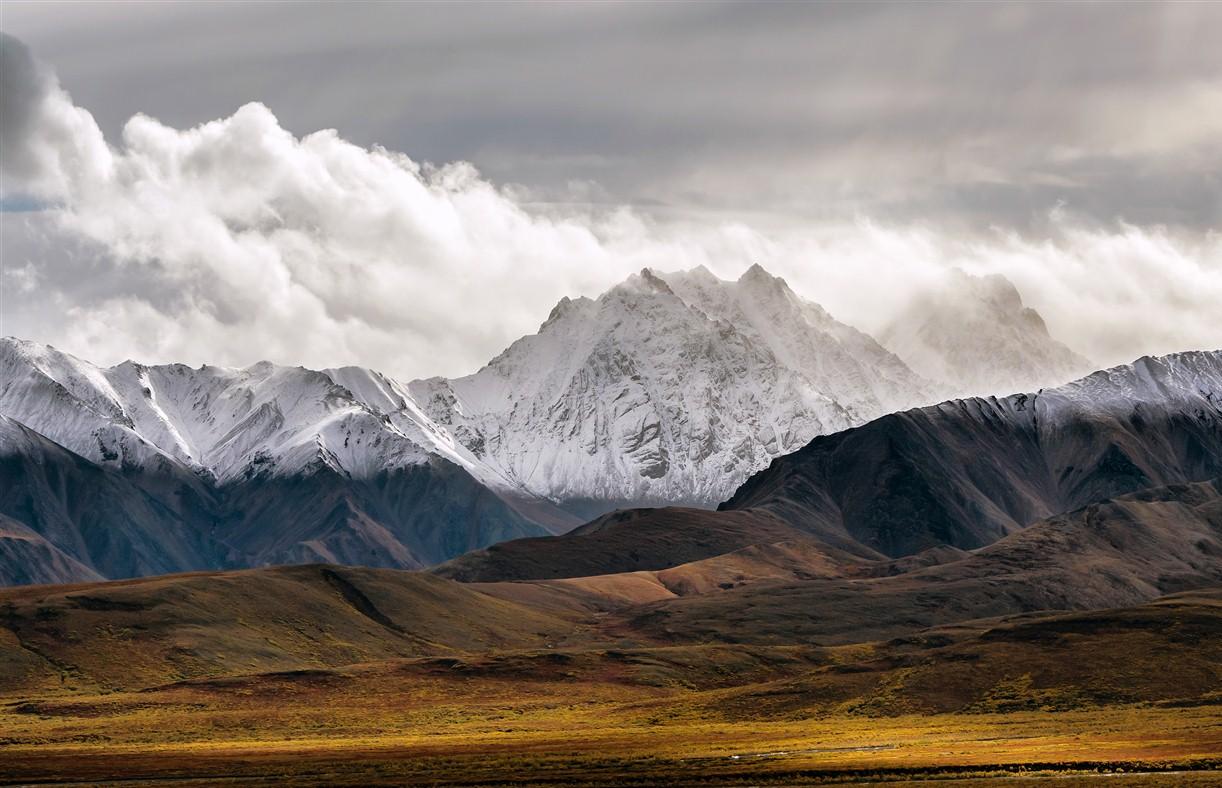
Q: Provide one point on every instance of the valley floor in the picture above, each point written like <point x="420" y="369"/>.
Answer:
<point x="326" y="675"/>
<point x="394" y="723"/>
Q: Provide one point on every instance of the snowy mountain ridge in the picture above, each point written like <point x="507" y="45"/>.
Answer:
<point x="669" y="388"/>
<point x="217" y="421"/>
<point x="133" y="469"/>
<point x="1191" y="380"/>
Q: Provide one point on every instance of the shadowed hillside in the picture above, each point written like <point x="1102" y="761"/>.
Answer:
<point x="968" y="472"/>
<point x="138" y="633"/>
<point x="625" y="541"/>
<point x="1121" y="552"/>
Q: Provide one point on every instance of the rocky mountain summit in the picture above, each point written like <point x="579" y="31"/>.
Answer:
<point x="668" y="389"/>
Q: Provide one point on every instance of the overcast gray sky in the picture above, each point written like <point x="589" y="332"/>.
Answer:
<point x="841" y="144"/>
<point x="987" y="112"/>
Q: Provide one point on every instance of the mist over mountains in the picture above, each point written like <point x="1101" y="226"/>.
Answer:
<point x="669" y="389"/>
<point x="237" y="237"/>
<point x="975" y="335"/>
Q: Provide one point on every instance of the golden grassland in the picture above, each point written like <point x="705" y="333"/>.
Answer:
<point x="392" y="723"/>
<point x="322" y="675"/>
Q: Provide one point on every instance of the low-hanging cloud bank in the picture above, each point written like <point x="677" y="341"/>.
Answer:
<point x="235" y="241"/>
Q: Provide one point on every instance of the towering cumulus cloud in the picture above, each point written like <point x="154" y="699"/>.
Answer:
<point x="236" y="240"/>
<point x="247" y="237"/>
<point x="50" y="147"/>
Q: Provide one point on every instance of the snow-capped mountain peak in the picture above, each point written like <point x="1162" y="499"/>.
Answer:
<point x="670" y="387"/>
<point x="975" y="335"/>
<point x="221" y="422"/>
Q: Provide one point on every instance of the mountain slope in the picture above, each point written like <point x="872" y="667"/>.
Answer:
<point x="212" y="624"/>
<point x="27" y="558"/>
<point x="405" y="518"/>
<point x="968" y="472"/>
<point x="110" y="522"/>
<point x="127" y="522"/>
<point x="974" y="336"/>
<point x="667" y="389"/>
<point x="136" y="470"/>
<point x="624" y="541"/>
<point x="925" y="484"/>
<point x="1124" y="551"/>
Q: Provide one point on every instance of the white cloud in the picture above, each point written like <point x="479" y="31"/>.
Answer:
<point x="236" y="241"/>
<point x="50" y="145"/>
<point x="308" y="250"/>
<point x="1111" y="293"/>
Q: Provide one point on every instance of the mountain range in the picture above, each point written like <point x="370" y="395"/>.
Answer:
<point x="952" y="477"/>
<point x="136" y="470"/>
<point x="669" y="389"/>
<point x="1002" y="562"/>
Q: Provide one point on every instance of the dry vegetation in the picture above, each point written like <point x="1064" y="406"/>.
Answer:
<point x="359" y="677"/>
<point x="392" y="724"/>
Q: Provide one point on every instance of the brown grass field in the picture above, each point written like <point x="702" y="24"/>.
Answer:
<point x="416" y="722"/>
<point x="370" y="731"/>
<point x="315" y="675"/>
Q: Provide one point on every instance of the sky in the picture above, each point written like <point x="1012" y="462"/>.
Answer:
<point x="413" y="186"/>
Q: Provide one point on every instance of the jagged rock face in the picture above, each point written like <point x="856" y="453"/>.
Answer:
<point x="844" y="364"/>
<point x="974" y="336"/>
<point x="136" y="470"/>
<point x="668" y="389"/>
<point x="969" y="472"/>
